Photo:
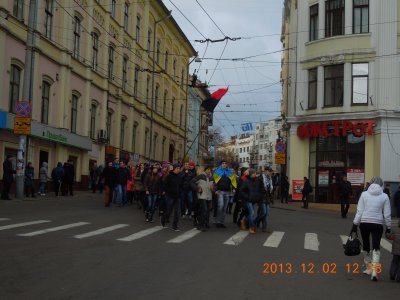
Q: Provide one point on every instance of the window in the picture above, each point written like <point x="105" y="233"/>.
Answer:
<point x="95" y="49"/>
<point x="312" y="88"/>
<point x="113" y="4"/>
<point x="147" y="90"/>
<point x="155" y="141"/>
<point x="181" y="116"/>
<point x="146" y="140"/>
<point x="77" y="37"/>
<point x="360" y="83"/>
<point x="165" y="103"/>
<point x="49" y="18"/>
<point x="122" y="133"/>
<point x="124" y="72"/>
<point x="18" y="10"/>
<point x="126" y="16"/>
<point x="136" y="83"/>
<point x="334" y="17"/>
<point x="110" y="62"/>
<point x="15" y="82"/>
<point x="158" y="52"/>
<point x="45" y="102"/>
<point x="163" y="148"/>
<point x="149" y="40"/>
<point x="108" y="125"/>
<point x="182" y="76"/>
<point x="138" y="28"/>
<point x="314" y="22"/>
<point x="155" y="104"/>
<point x="174" y="69"/>
<point x="74" y="113"/>
<point x="334" y="85"/>
<point x="360" y="16"/>
<point x="134" y="134"/>
<point x="93" y="121"/>
<point x="172" y="108"/>
<point x="166" y="62"/>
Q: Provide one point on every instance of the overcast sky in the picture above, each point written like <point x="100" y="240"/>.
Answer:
<point x="254" y="87"/>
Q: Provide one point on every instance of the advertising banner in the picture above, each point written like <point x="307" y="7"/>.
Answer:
<point x="323" y="178"/>
<point x="356" y="176"/>
<point x="297" y="188"/>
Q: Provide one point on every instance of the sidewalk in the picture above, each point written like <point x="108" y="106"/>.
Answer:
<point x="335" y="207"/>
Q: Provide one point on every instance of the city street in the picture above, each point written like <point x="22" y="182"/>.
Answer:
<point x="74" y="248"/>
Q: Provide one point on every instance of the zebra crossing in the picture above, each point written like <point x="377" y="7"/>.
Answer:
<point x="273" y="240"/>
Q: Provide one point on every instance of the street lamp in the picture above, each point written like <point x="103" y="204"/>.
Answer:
<point x="152" y="82"/>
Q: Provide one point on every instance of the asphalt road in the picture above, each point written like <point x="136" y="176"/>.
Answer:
<point x="46" y="261"/>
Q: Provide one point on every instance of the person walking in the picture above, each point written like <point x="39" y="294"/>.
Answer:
<point x="109" y="177"/>
<point x="29" y="180"/>
<point x="285" y="185"/>
<point x="140" y="192"/>
<point x="8" y="177"/>
<point x="239" y="212"/>
<point x="94" y="177"/>
<point x="43" y="177"/>
<point x="373" y="211"/>
<point x="203" y="184"/>
<point x="100" y="183"/>
<point x="187" y="175"/>
<point x="152" y="184"/>
<point x="396" y="202"/>
<point x="265" y="201"/>
<point x="122" y="178"/>
<point x="69" y="177"/>
<point x="57" y="175"/>
<point x="172" y="188"/>
<point x="345" y="191"/>
<point x="307" y="190"/>
<point x="225" y="181"/>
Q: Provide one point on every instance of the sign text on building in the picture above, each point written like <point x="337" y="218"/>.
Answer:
<point x="340" y="128"/>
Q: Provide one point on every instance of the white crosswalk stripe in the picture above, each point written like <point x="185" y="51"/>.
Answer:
<point x="311" y="242"/>
<point x="100" y="231"/>
<point x="141" y="234"/>
<point x="236" y="239"/>
<point x="185" y="236"/>
<point x="4" y="219"/>
<point x="274" y="239"/>
<point x="23" y="224"/>
<point x="386" y="245"/>
<point x="52" y="229"/>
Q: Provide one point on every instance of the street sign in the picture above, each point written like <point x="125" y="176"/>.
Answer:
<point x="280" y="147"/>
<point x="247" y="127"/>
<point x="23" y="108"/>
<point x="280" y="158"/>
<point x="22" y="125"/>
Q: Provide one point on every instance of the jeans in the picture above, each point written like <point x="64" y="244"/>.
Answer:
<point x="223" y="200"/>
<point x="376" y="231"/>
<point x="42" y="188"/>
<point x="120" y="190"/>
<point x="305" y="200"/>
<point x="173" y="204"/>
<point x="263" y="215"/>
<point x="186" y="202"/>
<point x="344" y="207"/>
<point x="251" y="208"/>
<point x="151" y="204"/>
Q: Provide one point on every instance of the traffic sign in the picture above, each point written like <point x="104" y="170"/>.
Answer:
<point x="280" y="158"/>
<point x="23" y="108"/>
<point x="280" y="147"/>
<point x="22" y="125"/>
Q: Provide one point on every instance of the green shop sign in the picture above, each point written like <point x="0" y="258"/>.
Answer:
<point x="56" y="137"/>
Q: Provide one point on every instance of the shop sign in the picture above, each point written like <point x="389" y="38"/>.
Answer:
<point x="22" y="125"/>
<point x="323" y="178"/>
<point x="297" y="189"/>
<point x="331" y="164"/>
<point x="356" y="176"/>
<point x="340" y="128"/>
<point x="111" y="150"/>
<point x="56" y="137"/>
<point x="280" y="158"/>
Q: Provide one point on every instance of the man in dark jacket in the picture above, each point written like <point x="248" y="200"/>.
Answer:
<point x="172" y="189"/>
<point x="307" y="190"/>
<point x="285" y="185"/>
<point x="187" y="195"/>
<point x="345" y="192"/>
<point x="123" y="175"/>
<point x="57" y="175"/>
<point x="108" y="175"/>
<point x="8" y="177"/>
<point x="69" y="177"/>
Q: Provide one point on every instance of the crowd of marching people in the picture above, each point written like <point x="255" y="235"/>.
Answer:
<point x="204" y="195"/>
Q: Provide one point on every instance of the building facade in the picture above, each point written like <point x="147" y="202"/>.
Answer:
<point x="342" y="83"/>
<point x="110" y="80"/>
<point x="244" y="146"/>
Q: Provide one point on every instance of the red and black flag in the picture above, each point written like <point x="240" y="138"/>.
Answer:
<point x="211" y="103"/>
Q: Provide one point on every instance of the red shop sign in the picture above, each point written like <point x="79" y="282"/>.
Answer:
<point x="340" y="128"/>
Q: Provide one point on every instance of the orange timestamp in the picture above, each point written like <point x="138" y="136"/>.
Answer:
<point x="314" y="268"/>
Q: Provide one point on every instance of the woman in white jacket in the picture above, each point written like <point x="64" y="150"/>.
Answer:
<point x="373" y="211"/>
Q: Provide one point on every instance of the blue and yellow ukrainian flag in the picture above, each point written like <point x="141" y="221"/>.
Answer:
<point x="227" y="172"/>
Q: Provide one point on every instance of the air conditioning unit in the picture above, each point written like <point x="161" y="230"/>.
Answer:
<point x="102" y="136"/>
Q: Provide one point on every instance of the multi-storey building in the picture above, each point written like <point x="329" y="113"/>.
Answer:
<point x="110" y="80"/>
<point x="244" y="148"/>
<point x="342" y="86"/>
<point x="267" y="135"/>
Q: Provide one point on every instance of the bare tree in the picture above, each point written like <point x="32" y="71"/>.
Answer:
<point x="216" y="137"/>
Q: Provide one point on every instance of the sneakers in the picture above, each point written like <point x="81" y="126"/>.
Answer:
<point x="252" y="230"/>
<point x="147" y="220"/>
<point x="175" y="228"/>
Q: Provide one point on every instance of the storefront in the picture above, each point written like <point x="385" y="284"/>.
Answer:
<point x="336" y="149"/>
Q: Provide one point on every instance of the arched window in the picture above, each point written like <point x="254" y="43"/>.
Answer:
<point x="155" y="107"/>
<point x="108" y="125"/>
<point x="15" y="85"/>
<point x="122" y="133"/>
<point x="95" y="50"/>
<point x="45" y="101"/>
<point x="174" y="69"/>
<point x="77" y="36"/>
<point x="49" y="18"/>
<point x="134" y="135"/>
<point x="18" y="10"/>
<point x="166" y="62"/>
<point x="124" y="72"/>
<point x="74" y="112"/>
<point x="93" y="112"/>
<point x="111" y="51"/>
<point x="172" y="108"/>
<point x="158" y="51"/>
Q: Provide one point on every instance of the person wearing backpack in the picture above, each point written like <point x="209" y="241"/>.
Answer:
<point x="57" y="176"/>
<point x="307" y="190"/>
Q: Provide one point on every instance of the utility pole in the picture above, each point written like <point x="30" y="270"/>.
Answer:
<point x="27" y="94"/>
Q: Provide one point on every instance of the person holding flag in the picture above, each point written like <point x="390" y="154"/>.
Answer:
<point x="225" y="181"/>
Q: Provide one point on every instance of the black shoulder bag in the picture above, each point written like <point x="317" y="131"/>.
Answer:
<point x="353" y="245"/>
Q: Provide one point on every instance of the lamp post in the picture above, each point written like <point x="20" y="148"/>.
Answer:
<point x="152" y="83"/>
